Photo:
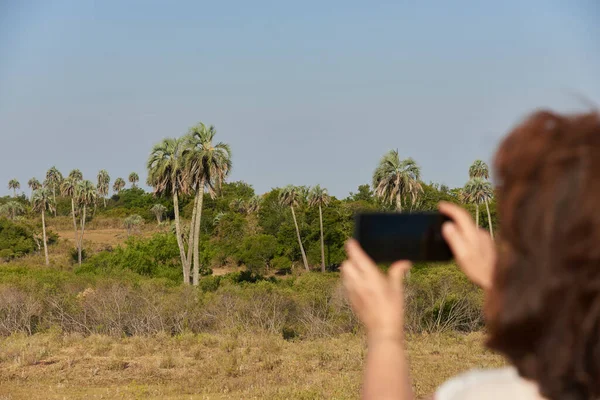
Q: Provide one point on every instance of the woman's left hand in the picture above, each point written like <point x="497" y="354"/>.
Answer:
<point x="377" y="299"/>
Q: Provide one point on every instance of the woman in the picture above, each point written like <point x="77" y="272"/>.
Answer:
<point x="542" y="285"/>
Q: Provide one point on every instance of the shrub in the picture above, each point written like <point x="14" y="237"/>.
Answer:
<point x="16" y="237"/>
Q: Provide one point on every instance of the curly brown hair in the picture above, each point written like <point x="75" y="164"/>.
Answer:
<point x="544" y="309"/>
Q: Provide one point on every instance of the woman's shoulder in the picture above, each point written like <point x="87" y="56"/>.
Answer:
<point x="488" y="384"/>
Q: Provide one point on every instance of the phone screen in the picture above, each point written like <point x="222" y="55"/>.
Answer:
<point x="389" y="237"/>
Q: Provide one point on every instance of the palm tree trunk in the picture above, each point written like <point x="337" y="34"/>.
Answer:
<point x="322" y="240"/>
<point x="79" y="249"/>
<point x="191" y="237"/>
<point x="487" y="206"/>
<point x="300" y="241"/>
<point x="14" y="192"/>
<point x="398" y="203"/>
<point x="186" y="271"/>
<point x="54" y="197"/>
<point x="200" y="194"/>
<point x="104" y="198"/>
<point x="477" y="214"/>
<point x="44" y="237"/>
<point x="74" y="220"/>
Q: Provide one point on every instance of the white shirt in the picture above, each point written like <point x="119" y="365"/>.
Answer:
<point x="493" y="384"/>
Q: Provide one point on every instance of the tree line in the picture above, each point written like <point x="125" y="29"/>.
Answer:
<point x="194" y="166"/>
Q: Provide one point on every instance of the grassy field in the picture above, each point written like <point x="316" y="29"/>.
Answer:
<point x="56" y="366"/>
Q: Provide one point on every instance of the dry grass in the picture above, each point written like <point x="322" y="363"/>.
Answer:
<point x="56" y="366"/>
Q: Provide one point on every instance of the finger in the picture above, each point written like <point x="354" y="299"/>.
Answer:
<point x="396" y="274"/>
<point x="359" y="258"/>
<point x="463" y="220"/>
<point x="350" y="275"/>
<point x="456" y="240"/>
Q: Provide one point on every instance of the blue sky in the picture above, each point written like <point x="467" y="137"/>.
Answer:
<point x="308" y="93"/>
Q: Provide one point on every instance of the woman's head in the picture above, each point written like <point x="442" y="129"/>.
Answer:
<point x="544" y="310"/>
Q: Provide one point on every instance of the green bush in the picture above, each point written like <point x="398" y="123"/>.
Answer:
<point x="16" y="237"/>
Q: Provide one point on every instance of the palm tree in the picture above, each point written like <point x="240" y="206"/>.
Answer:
<point x="118" y="185"/>
<point x="68" y="188"/>
<point x="479" y="169"/>
<point x="159" y="211"/>
<point x="207" y="165"/>
<point x="238" y="205"/>
<point x="254" y="204"/>
<point x="85" y="192"/>
<point x="14" y="185"/>
<point x="134" y="179"/>
<point x="291" y="196"/>
<point x="103" y="184"/>
<point x="76" y="175"/>
<point x="318" y="196"/>
<point x="12" y="209"/>
<point x="132" y="222"/>
<point x="478" y="191"/>
<point x="395" y="179"/>
<point x="53" y="180"/>
<point x="166" y="174"/>
<point x="34" y="185"/>
<point x="42" y="200"/>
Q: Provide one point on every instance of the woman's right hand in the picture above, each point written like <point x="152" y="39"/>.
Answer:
<point x="473" y="248"/>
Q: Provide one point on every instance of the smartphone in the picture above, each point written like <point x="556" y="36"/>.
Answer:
<point x="389" y="237"/>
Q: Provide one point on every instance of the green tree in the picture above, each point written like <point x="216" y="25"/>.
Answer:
<point x="238" y="205"/>
<point x="208" y="165"/>
<point x="159" y="211"/>
<point x="85" y="195"/>
<point x="166" y="174"/>
<point x="53" y="180"/>
<point x="478" y="191"/>
<point x="318" y="197"/>
<point x="68" y="188"/>
<point x="118" y="185"/>
<point x="34" y="185"/>
<point x="134" y="179"/>
<point x="395" y="180"/>
<point x="364" y="193"/>
<point x="12" y="209"/>
<point x="103" y="184"/>
<point x="291" y="196"/>
<point x="13" y="185"/>
<point x="42" y="201"/>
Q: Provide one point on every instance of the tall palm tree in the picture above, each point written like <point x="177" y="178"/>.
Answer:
<point x="103" y="184"/>
<point x="34" y="185"/>
<point x="68" y="188"/>
<point x="479" y="169"/>
<point x="118" y="185"/>
<point x="478" y="191"/>
<point x="291" y="196"/>
<point x="42" y="200"/>
<point x="395" y="180"/>
<point x="85" y="192"/>
<point x="12" y="209"/>
<point x="53" y="180"/>
<point x="159" y="211"/>
<point x="207" y="165"/>
<point x="166" y="174"/>
<point x="134" y="179"/>
<point x="14" y="185"/>
<point x="318" y="196"/>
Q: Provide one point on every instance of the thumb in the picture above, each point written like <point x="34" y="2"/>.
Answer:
<point x="396" y="274"/>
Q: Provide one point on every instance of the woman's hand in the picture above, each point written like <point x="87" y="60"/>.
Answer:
<point x="377" y="299"/>
<point x="473" y="248"/>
